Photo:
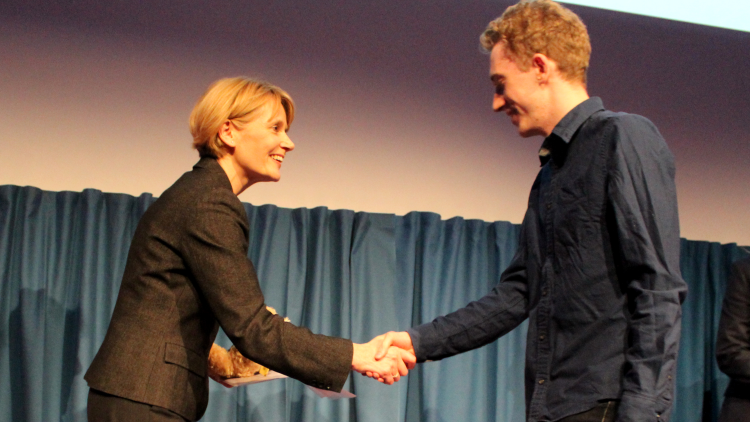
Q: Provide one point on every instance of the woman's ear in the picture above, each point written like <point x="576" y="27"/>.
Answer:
<point x="227" y="134"/>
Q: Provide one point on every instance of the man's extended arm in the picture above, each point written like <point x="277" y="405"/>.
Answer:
<point x="478" y="323"/>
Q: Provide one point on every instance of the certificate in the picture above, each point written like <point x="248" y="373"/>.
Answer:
<point x="273" y="375"/>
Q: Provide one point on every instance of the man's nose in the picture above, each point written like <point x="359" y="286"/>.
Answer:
<point x="498" y="102"/>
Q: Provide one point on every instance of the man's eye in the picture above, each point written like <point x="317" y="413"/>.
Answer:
<point x="499" y="89"/>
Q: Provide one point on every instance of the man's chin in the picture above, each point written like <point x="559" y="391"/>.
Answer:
<point x="526" y="133"/>
<point x="530" y="132"/>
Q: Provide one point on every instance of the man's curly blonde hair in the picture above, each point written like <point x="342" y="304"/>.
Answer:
<point x="545" y="27"/>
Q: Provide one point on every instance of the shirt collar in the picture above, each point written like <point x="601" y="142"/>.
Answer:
<point x="566" y="128"/>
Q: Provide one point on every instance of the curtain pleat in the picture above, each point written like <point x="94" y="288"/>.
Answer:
<point x="337" y="272"/>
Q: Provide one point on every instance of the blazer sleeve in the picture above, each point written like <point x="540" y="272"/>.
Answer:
<point x="215" y="252"/>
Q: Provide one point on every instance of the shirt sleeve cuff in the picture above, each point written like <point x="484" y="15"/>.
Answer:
<point x="636" y="408"/>
<point x="415" y="342"/>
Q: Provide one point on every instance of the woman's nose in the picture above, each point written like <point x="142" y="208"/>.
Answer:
<point x="287" y="143"/>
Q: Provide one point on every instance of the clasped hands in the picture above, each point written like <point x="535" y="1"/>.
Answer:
<point x="386" y="357"/>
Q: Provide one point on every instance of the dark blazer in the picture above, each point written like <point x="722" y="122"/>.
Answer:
<point x="733" y="338"/>
<point x="188" y="273"/>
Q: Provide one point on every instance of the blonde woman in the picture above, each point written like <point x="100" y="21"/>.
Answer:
<point x="188" y="273"/>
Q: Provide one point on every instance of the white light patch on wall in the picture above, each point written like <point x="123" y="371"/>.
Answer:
<point x="733" y="14"/>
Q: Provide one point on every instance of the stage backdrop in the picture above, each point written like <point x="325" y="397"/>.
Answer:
<point x="339" y="273"/>
<point x="393" y="101"/>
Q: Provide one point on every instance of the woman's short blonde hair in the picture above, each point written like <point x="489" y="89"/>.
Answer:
<point x="235" y="100"/>
<point x="545" y="27"/>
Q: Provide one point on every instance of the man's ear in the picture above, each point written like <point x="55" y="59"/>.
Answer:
<point x="542" y="66"/>
<point x="227" y="135"/>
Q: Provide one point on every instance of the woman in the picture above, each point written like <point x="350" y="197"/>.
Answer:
<point x="187" y="273"/>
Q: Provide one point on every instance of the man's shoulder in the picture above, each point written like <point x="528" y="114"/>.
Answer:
<point x="631" y="140"/>
<point x="622" y="121"/>
<point x="627" y="128"/>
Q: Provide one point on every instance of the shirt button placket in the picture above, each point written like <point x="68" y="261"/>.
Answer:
<point x="538" y="404"/>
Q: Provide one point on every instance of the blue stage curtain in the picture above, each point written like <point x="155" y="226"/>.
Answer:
<point x="353" y="275"/>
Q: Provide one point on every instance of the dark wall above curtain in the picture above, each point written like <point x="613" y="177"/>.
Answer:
<point x="393" y="101"/>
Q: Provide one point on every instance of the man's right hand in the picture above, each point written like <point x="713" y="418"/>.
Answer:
<point x="400" y="339"/>
<point x="394" y="363"/>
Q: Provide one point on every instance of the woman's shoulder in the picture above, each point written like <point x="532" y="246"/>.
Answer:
<point x="205" y="182"/>
<point x="205" y="188"/>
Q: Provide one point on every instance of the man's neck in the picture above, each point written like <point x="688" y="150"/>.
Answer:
<point x="564" y="96"/>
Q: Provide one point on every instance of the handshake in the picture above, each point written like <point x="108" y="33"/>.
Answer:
<point x="385" y="358"/>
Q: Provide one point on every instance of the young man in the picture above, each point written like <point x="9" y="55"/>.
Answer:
<point x="597" y="266"/>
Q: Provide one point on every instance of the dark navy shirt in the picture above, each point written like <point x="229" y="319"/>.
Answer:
<point x="596" y="272"/>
